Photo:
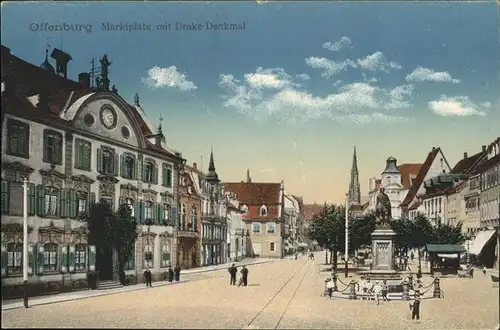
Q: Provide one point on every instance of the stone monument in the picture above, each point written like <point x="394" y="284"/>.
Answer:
<point x="383" y="248"/>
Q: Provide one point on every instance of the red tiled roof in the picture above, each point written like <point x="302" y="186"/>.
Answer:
<point x="310" y="210"/>
<point x="255" y="192"/>
<point x="31" y="80"/>
<point x="420" y="177"/>
<point x="407" y="172"/>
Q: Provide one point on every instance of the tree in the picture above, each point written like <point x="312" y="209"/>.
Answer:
<point x="112" y="230"/>
<point x="404" y="229"/>
<point x="448" y="234"/>
<point x="328" y="229"/>
<point x="360" y="231"/>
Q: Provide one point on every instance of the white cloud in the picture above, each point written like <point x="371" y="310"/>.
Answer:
<point x="369" y="80"/>
<point x="457" y="106"/>
<point x="275" y="78"/>
<point x="303" y="76"/>
<point x="336" y="46"/>
<point x="291" y="103"/>
<point x="329" y="67"/>
<point x="168" y="77"/>
<point x="421" y="74"/>
<point x="336" y="83"/>
<point x="377" y="62"/>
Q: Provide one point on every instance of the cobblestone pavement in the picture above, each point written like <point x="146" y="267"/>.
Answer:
<point x="210" y="302"/>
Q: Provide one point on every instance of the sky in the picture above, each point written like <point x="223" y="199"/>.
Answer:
<point x="290" y="95"/>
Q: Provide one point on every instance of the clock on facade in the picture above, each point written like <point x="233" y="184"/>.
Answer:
<point x="108" y="117"/>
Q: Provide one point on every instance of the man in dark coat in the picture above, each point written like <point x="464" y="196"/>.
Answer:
<point x="233" y="270"/>
<point x="177" y="273"/>
<point x="170" y="274"/>
<point x="415" y="308"/>
<point x="147" y="277"/>
<point x="244" y="276"/>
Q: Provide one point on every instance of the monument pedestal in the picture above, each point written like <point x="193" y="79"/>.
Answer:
<point x="383" y="256"/>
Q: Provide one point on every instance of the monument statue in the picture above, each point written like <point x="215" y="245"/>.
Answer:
<point x="383" y="209"/>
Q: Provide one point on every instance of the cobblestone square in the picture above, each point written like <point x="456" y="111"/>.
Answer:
<point x="207" y="301"/>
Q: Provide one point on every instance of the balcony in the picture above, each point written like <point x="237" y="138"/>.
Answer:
<point x="186" y="234"/>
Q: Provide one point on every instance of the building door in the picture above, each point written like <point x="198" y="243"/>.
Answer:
<point x="104" y="263"/>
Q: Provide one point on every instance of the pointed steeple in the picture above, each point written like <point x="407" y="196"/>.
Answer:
<point x="46" y="64"/>
<point x="354" y="194"/>
<point x="249" y="179"/>
<point x="212" y="176"/>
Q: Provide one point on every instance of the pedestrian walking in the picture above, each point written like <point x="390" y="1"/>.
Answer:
<point x="233" y="271"/>
<point x="147" y="277"/>
<point x="329" y="287"/>
<point x="415" y="307"/>
<point x="170" y="274"/>
<point x="385" y="289"/>
<point x="377" y="291"/>
<point x="244" y="276"/>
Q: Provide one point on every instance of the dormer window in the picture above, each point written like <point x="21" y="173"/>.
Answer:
<point x="263" y="211"/>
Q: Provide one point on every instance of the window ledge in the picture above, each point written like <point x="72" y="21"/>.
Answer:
<point x="17" y="155"/>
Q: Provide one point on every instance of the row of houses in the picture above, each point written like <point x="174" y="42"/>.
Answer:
<point x="78" y="143"/>
<point x="467" y="193"/>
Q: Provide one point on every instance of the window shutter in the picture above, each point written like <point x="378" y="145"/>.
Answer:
<point x="155" y="175"/>
<point x="143" y="166"/>
<point x="63" y="258"/>
<point x="122" y="166"/>
<point x="71" y="259"/>
<point x="58" y="149"/>
<point x="45" y="146"/>
<point x="87" y="155"/>
<point x="40" y="208"/>
<point x="40" y="259"/>
<point x="154" y="213"/>
<point x="163" y="175"/>
<point x="5" y="197"/>
<point x="136" y="169"/>
<point x="137" y="211"/>
<point x="73" y="209"/>
<point x="78" y="154"/>
<point x="31" y="258"/>
<point x="161" y="213"/>
<point x="169" y="177"/>
<point x="141" y="211"/>
<point x="63" y="210"/>
<point x="5" y="257"/>
<point x="92" y="258"/>
<point x="174" y="219"/>
<point x="99" y="160"/>
<point x="91" y="200"/>
<point x="31" y="199"/>
<point x="116" y="164"/>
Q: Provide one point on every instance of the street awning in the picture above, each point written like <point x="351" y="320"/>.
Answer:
<point x="480" y="241"/>
<point x="445" y="248"/>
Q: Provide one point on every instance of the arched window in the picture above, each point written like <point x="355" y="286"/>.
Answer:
<point x="50" y="257"/>
<point x="193" y="219"/>
<point x="107" y="162"/>
<point x="263" y="211"/>
<point x="149" y="169"/>
<point x="80" y="256"/>
<point x="129" y="167"/>
<point x="148" y="210"/>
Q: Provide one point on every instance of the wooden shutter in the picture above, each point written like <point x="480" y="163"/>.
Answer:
<point x="5" y="257"/>
<point x="40" y="196"/>
<point x="154" y="214"/>
<point x="169" y="176"/>
<point x="136" y="169"/>
<point x="141" y="211"/>
<point x="71" y="259"/>
<point x="63" y="258"/>
<point x="123" y="173"/>
<point x="174" y="219"/>
<point x="46" y="155"/>
<point x="161" y="213"/>
<point x="31" y="258"/>
<point x="31" y="199"/>
<point x="73" y="207"/>
<point x="99" y="160"/>
<point x="155" y="174"/>
<point x="40" y="259"/>
<point x="163" y="175"/>
<point x="5" y="195"/>
<point x="143" y="166"/>
<point x="78" y="149"/>
<point x="137" y="211"/>
<point x="58" y="148"/>
<point x="91" y="258"/>
<point x="116" y="164"/>
<point x="63" y="210"/>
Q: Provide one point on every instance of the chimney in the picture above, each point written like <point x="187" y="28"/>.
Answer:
<point x="465" y="155"/>
<point x="62" y="60"/>
<point x="483" y="148"/>
<point x="84" y="79"/>
<point x="195" y="166"/>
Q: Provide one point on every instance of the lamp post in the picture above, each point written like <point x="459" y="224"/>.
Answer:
<point x="25" y="241"/>
<point x="346" y="256"/>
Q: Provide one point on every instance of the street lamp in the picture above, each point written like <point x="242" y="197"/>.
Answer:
<point x="346" y="256"/>
<point x="25" y="241"/>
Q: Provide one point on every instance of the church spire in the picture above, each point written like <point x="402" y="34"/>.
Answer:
<point x="354" y="187"/>
<point x="212" y="174"/>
